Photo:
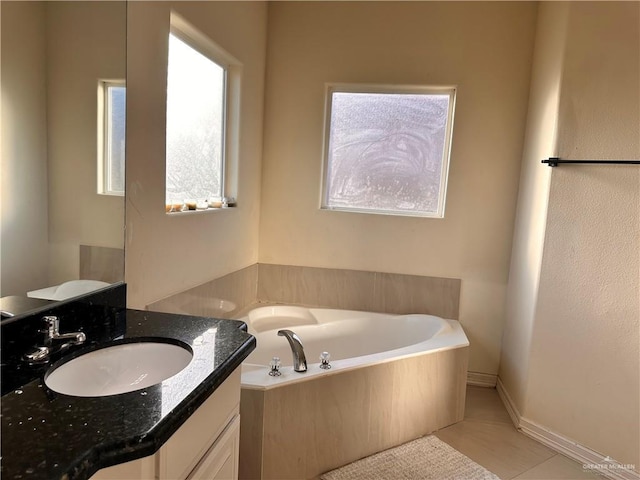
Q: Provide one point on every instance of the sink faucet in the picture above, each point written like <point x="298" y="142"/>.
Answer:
<point x="41" y="353"/>
<point x="297" y="349"/>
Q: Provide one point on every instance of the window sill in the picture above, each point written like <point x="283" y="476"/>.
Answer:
<point x="197" y="211"/>
<point x="388" y="213"/>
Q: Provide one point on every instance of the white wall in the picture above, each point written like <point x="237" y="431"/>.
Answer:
<point x="485" y="49"/>
<point x="581" y="376"/>
<point x="168" y="254"/>
<point x="24" y="204"/>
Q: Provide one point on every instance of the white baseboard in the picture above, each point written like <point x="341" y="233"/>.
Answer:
<point x="598" y="463"/>
<point x="478" y="379"/>
<point x="509" y="404"/>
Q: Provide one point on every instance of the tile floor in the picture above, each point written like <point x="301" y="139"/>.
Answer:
<point x="488" y="437"/>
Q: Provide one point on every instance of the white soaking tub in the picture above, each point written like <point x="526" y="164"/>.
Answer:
<point x="352" y="338"/>
<point x="393" y="378"/>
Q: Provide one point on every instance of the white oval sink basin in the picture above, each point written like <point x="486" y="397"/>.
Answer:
<point x="118" y="369"/>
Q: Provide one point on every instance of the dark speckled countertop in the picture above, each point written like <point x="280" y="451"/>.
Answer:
<point x="47" y="435"/>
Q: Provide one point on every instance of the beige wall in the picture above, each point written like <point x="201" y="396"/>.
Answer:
<point x="581" y="377"/>
<point x="169" y="254"/>
<point x="585" y="348"/>
<point x="23" y="204"/>
<point x="483" y="48"/>
<point x="86" y="41"/>
<point x="533" y="194"/>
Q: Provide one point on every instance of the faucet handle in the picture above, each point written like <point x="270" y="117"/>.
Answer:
<point x="52" y="324"/>
<point x="37" y="355"/>
<point x="51" y="320"/>
<point x="275" y="367"/>
<point x="324" y="360"/>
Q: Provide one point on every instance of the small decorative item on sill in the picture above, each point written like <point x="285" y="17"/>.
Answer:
<point x="228" y="202"/>
<point x="202" y="205"/>
<point x="215" y="202"/>
<point x="174" y="207"/>
<point x="191" y="204"/>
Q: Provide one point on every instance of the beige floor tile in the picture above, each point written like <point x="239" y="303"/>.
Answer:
<point x="496" y="446"/>
<point x="484" y="405"/>
<point x="558" y="467"/>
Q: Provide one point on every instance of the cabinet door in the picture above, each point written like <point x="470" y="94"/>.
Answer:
<point x="184" y="451"/>
<point x="221" y="461"/>
<point x="142" y="468"/>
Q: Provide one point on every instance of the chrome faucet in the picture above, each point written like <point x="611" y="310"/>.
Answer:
<point x="297" y="349"/>
<point x="41" y="353"/>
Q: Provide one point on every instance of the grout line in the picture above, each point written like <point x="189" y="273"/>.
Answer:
<point x="536" y="465"/>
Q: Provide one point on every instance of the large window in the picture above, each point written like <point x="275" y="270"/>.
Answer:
<point x="387" y="149"/>
<point x="198" y="100"/>
<point x="111" y="136"/>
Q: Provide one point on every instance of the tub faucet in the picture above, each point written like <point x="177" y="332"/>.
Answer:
<point x="41" y="354"/>
<point x="297" y="349"/>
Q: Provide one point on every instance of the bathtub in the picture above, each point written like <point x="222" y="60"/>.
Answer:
<point x="353" y="339"/>
<point x="393" y="378"/>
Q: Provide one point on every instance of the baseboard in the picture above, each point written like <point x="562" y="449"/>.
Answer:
<point x="478" y="379"/>
<point x="594" y="461"/>
<point x="509" y="404"/>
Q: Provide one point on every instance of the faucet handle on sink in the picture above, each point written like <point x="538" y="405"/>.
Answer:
<point x="41" y="353"/>
<point x="52" y="324"/>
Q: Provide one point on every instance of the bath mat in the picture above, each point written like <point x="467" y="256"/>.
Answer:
<point x="425" y="458"/>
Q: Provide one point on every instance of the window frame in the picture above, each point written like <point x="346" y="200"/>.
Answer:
<point x="104" y="134"/>
<point x="331" y="88"/>
<point x="187" y="33"/>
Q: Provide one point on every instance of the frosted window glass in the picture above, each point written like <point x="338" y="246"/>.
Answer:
<point x="195" y="124"/>
<point x="116" y="98"/>
<point x="386" y="152"/>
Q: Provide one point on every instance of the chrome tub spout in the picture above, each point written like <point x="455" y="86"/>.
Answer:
<point x="297" y="349"/>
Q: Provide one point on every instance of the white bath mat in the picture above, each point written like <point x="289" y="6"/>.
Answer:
<point x="425" y="458"/>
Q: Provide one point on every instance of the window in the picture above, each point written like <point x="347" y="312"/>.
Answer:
<point x="111" y="136"/>
<point x="387" y="149"/>
<point x="200" y="81"/>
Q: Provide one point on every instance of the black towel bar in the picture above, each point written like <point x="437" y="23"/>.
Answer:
<point x="555" y="161"/>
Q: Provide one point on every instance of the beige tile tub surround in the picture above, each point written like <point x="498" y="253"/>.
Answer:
<point x="317" y="287"/>
<point x="223" y="297"/>
<point x="101" y="263"/>
<point x="301" y="430"/>
<point x="358" y="290"/>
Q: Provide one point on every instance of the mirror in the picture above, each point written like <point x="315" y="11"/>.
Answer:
<point x="62" y="235"/>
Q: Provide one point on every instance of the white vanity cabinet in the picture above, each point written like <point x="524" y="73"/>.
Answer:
<point x="205" y="447"/>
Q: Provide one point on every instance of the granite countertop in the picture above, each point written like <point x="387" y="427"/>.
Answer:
<point x="47" y="435"/>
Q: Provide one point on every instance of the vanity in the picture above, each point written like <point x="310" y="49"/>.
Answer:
<point x="184" y="427"/>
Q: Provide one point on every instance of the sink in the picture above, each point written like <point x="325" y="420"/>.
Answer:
<point x="118" y="369"/>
